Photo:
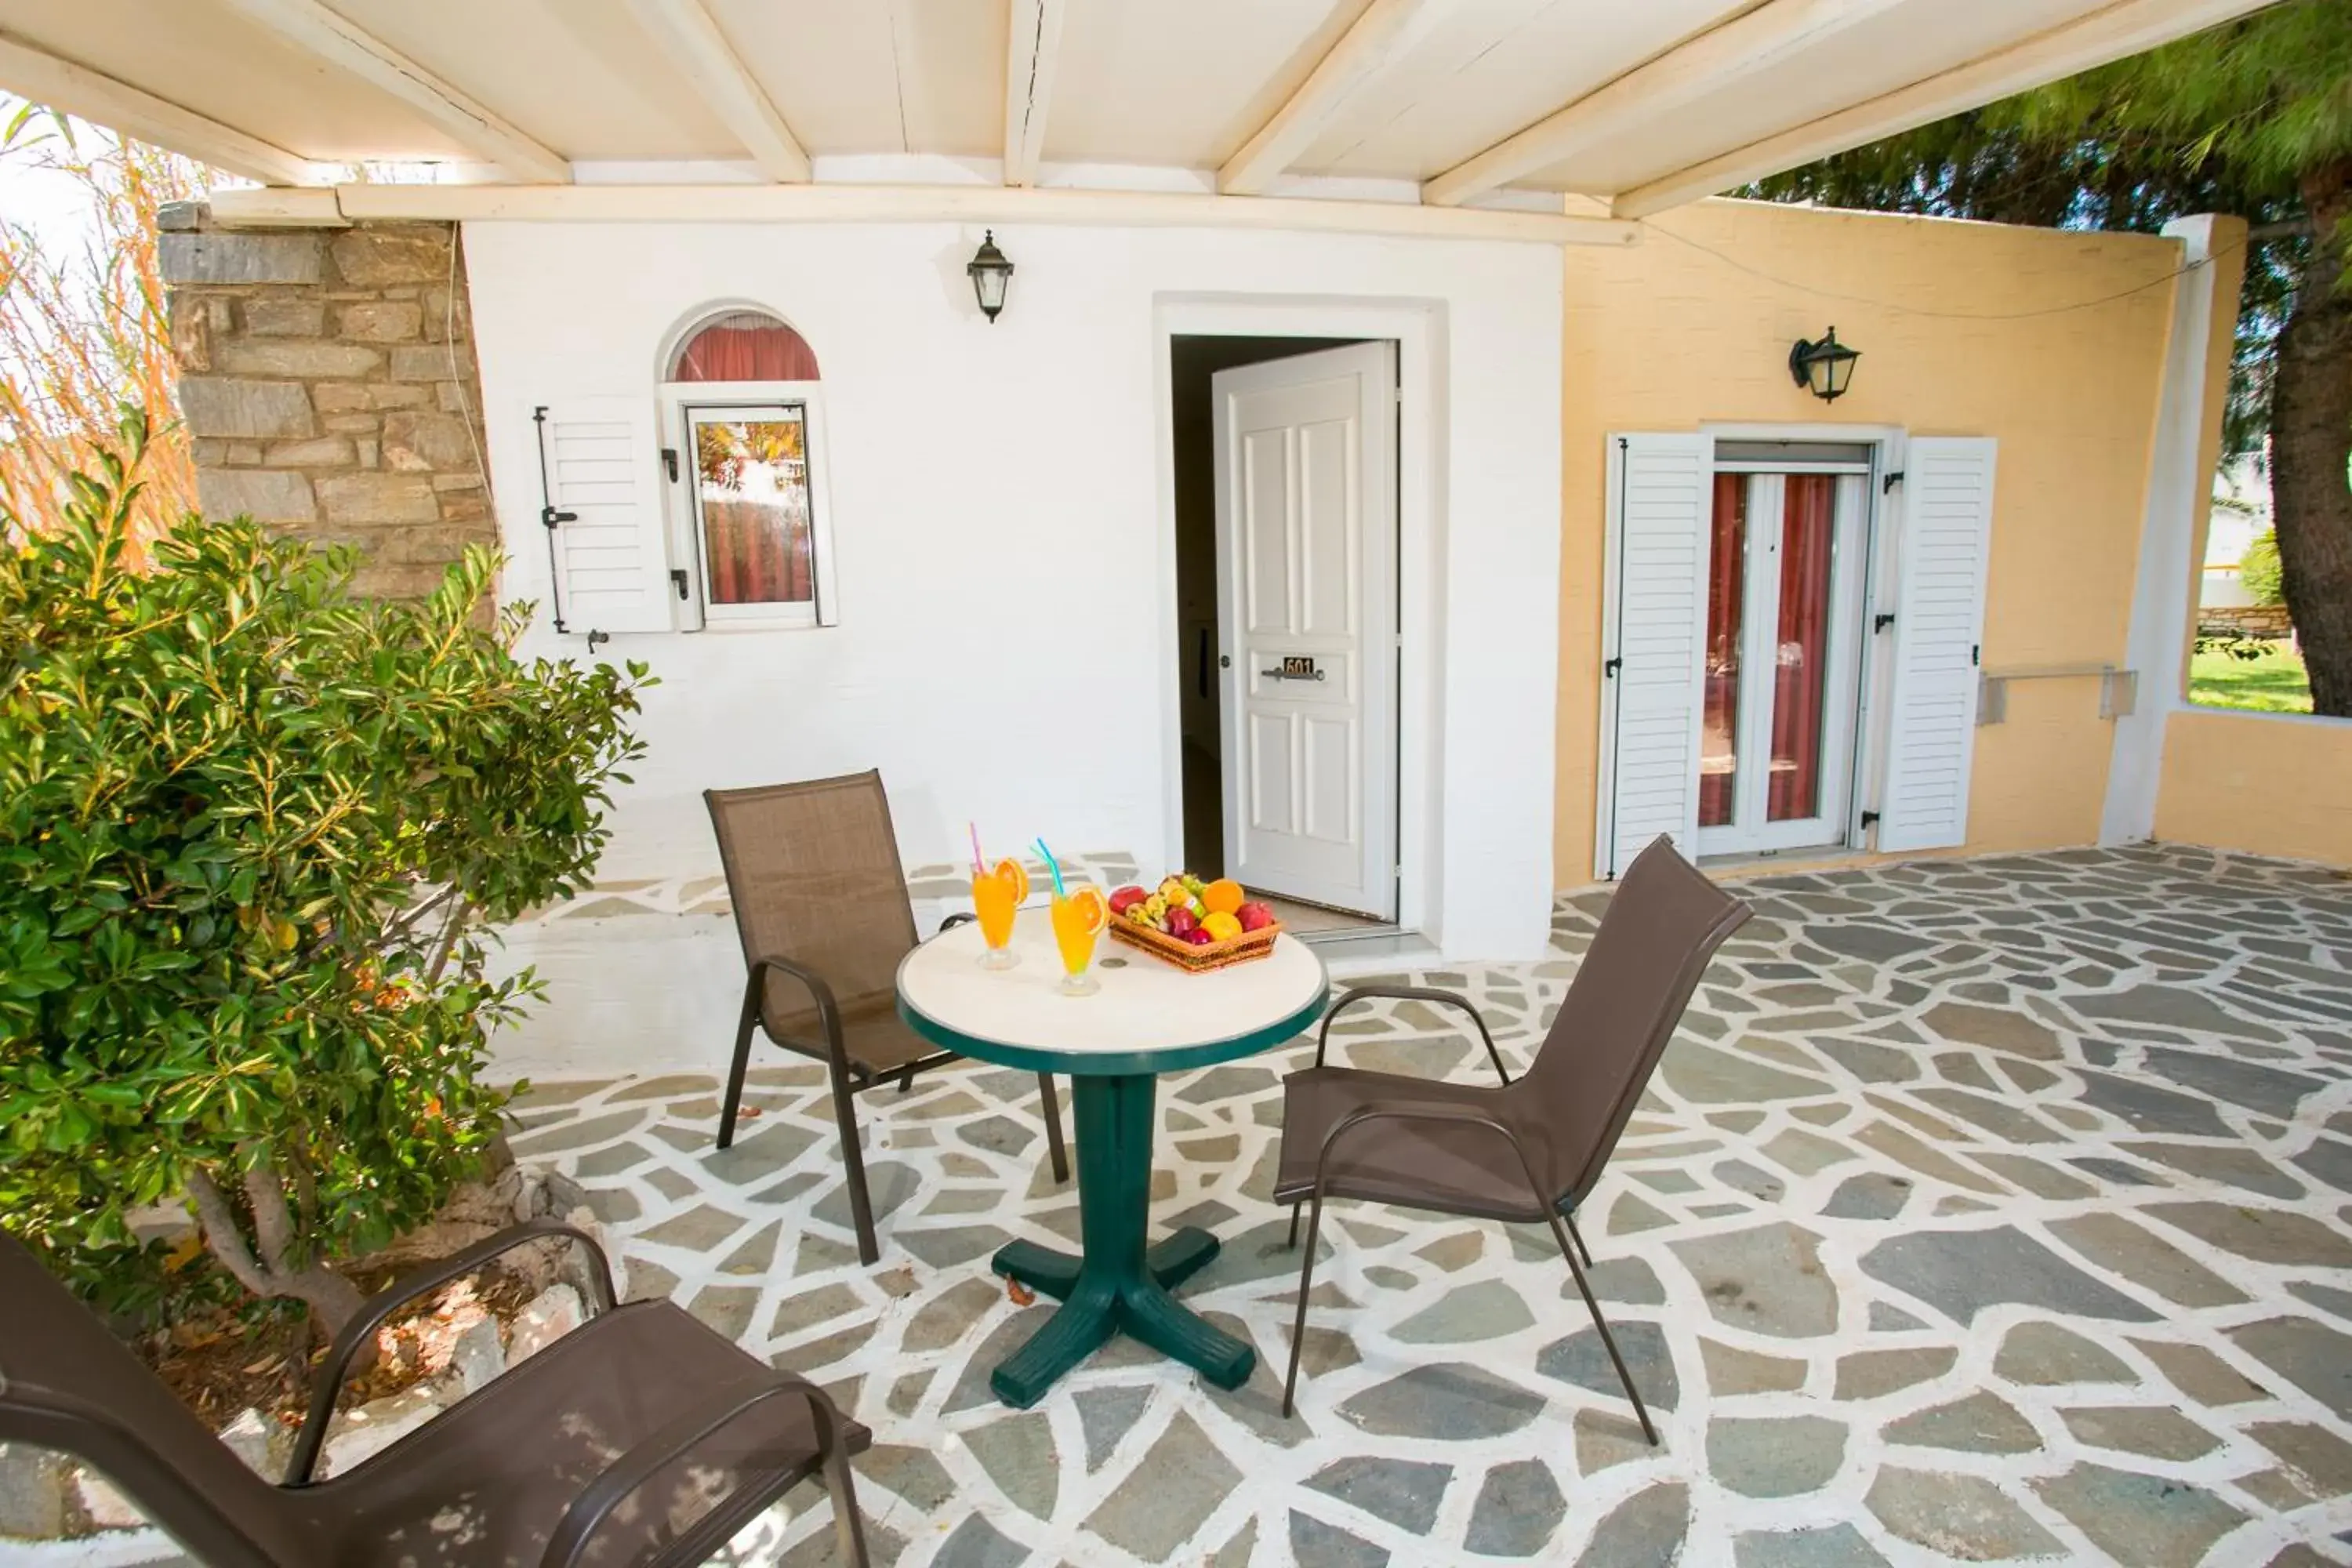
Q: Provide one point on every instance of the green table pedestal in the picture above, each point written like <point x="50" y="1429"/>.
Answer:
<point x="1119" y="1285"/>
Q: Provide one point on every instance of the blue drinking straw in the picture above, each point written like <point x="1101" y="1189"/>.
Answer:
<point x="1054" y="866"/>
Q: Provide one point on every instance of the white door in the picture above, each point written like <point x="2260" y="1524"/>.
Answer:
<point x="1783" y="651"/>
<point x="1307" y="595"/>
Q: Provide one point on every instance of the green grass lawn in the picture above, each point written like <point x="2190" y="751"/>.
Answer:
<point x="2274" y="683"/>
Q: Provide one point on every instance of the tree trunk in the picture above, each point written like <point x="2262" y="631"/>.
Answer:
<point x="263" y="1265"/>
<point x="2311" y="442"/>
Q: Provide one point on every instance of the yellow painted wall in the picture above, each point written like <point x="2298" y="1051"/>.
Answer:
<point x="2270" y="784"/>
<point x="2051" y="343"/>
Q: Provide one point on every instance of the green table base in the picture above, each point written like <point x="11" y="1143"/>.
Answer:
<point x="1119" y="1284"/>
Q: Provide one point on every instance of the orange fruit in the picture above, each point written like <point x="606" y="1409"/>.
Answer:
<point x="1091" y="907"/>
<point x="1223" y="896"/>
<point x="1009" y="871"/>
<point x="1221" y="926"/>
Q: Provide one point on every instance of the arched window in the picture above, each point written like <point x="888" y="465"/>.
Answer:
<point x="743" y="346"/>
<point x="741" y="395"/>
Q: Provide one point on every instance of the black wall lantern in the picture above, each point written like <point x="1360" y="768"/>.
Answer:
<point x="1824" y="369"/>
<point x="991" y="275"/>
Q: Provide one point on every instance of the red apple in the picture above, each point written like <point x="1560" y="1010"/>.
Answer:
<point x="1253" y="917"/>
<point x="1126" y="899"/>
<point x="1198" y="937"/>
<point x="1181" y="923"/>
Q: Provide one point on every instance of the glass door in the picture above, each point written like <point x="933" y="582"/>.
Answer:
<point x="1782" y="654"/>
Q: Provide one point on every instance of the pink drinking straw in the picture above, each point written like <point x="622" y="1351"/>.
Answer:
<point x="973" y="828"/>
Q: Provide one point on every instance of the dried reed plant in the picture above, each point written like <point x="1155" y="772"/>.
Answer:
<point x="86" y="329"/>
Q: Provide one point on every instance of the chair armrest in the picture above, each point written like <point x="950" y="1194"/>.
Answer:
<point x="403" y="1291"/>
<point x="648" y="1457"/>
<point x="954" y="920"/>
<point x="1410" y="993"/>
<point x="1421" y="1110"/>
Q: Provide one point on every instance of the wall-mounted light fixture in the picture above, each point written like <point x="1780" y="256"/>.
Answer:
<point x="990" y="274"/>
<point x="1824" y="369"/>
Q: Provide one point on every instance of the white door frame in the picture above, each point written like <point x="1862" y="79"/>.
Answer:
<point x="1417" y="329"/>
<point x="1876" y="672"/>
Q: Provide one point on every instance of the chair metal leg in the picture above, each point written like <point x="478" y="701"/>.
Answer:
<point x="848" y="1529"/>
<point x="1294" y="1226"/>
<point x="853" y="1163"/>
<point x="1608" y="1340"/>
<point x="743" y="1027"/>
<point x="1578" y="1236"/>
<point x="1053" y="1109"/>
<point x="1306" y="1283"/>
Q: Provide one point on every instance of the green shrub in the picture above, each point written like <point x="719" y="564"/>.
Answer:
<point x="252" y="831"/>
<point x="2259" y="571"/>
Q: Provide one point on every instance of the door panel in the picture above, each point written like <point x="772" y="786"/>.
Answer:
<point x="1305" y="453"/>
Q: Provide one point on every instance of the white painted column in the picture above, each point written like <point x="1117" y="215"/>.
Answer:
<point x="2179" y="494"/>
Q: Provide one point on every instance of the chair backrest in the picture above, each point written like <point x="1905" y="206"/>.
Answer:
<point x="814" y="872"/>
<point x="68" y="1385"/>
<point x="1661" y="928"/>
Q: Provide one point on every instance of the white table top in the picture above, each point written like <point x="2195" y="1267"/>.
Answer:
<point x="1148" y="1016"/>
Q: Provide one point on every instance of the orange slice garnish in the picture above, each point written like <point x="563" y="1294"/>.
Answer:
<point x="1010" y="873"/>
<point x="1092" y="908"/>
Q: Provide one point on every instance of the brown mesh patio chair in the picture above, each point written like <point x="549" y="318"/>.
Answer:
<point x="641" y="1438"/>
<point x="822" y="908"/>
<point x="1524" y="1151"/>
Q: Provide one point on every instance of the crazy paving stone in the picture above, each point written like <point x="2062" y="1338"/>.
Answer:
<point x="2115" y="1243"/>
<point x="1604" y="1439"/>
<point x="908" y="1392"/>
<point x="2265" y="1235"/>
<point x="1645" y="1531"/>
<point x="1178" y="1484"/>
<point x="1626" y="1279"/>
<point x="2326" y="1298"/>
<point x="1629" y="1215"/>
<point x="1452" y="1401"/>
<point x="798" y="1314"/>
<point x="1838" y="1545"/>
<point x="1732" y="1371"/>
<point x="1998" y="1027"/>
<point x="1870" y="1195"/>
<point x="1706" y="1076"/>
<point x="1871" y="1064"/>
<point x="1237" y="1553"/>
<point x="1960" y="1516"/>
<point x="1961" y="1272"/>
<point x="1017" y="1451"/>
<point x="912" y="1473"/>
<point x="2140" y="1518"/>
<point x="1906" y="1149"/>
<point x="1980" y="1424"/>
<point x="2328" y="1160"/>
<point x="1767" y="1280"/>
<point x="2149" y="1109"/>
<point x="1517" y="1509"/>
<point x="1868" y="1374"/>
<point x="977" y="1544"/>
<point x="1803" y="1153"/>
<point x="1404" y="1493"/>
<point x="2199" y="1373"/>
<point x="946" y="1247"/>
<point x="2314" y="1356"/>
<point x="1774" y="1457"/>
<point x="2042" y="1180"/>
<point x="1316" y="1544"/>
<point x="1486" y="1310"/>
<point x="2157" y="1432"/>
<point x="2046" y="1354"/>
<point x="1105" y="1416"/>
<point x="1885" y="1319"/>
<point x="2312" y="1452"/>
<point x="1582" y="1360"/>
<point x="1454" y="1252"/>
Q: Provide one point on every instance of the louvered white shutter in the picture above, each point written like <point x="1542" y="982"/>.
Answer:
<point x="1656" y="624"/>
<point x="1947" y="533"/>
<point x="609" y="554"/>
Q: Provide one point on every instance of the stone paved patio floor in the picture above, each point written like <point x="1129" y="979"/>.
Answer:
<point x="1984" y="1209"/>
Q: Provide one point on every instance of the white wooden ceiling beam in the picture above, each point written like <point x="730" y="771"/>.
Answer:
<point x="53" y="82"/>
<point x="690" y="36"/>
<point x="1032" y="52"/>
<point x="1755" y="41"/>
<point x="2130" y="28"/>
<point x="309" y="26"/>
<point x="1386" y="29"/>
<point x="999" y="205"/>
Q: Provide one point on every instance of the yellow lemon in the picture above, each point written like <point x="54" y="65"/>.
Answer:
<point x="1221" y="926"/>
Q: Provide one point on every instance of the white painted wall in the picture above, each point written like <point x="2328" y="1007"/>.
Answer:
<point x="1006" y="597"/>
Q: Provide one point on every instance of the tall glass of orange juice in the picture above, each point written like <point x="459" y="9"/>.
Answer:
<point x="996" y="894"/>
<point x="1078" y="918"/>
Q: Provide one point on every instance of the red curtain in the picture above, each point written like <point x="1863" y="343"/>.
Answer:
<point x="1807" y="527"/>
<point x="768" y="351"/>
<point x="1726" y="600"/>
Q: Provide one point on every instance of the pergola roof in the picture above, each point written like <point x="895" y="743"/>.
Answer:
<point x="1642" y="104"/>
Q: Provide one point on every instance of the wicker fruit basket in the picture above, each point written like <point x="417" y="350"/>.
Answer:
<point x="1200" y="960"/>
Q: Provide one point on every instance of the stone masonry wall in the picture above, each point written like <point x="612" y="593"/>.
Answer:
<point x="327" y="380"/>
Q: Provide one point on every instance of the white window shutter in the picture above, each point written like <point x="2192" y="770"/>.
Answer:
<point x="1940" y="556"/>
<point x="609" y="554"/>
<point x="1654" y="653"/>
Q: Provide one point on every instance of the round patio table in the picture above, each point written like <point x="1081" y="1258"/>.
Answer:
<point x="1148" y="1018"/>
